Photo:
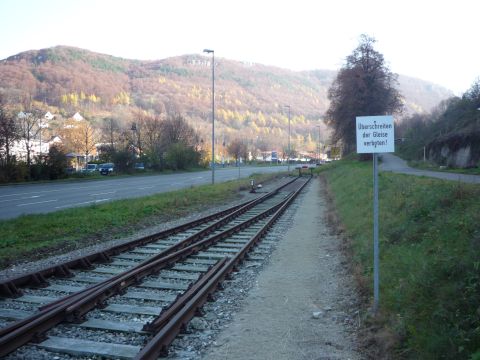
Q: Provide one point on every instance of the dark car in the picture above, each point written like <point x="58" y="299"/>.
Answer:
<point x="139" y="166"/>
<point x="106" y="168"/>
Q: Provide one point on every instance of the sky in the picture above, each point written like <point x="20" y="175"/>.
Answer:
<point x="437" y="41"/>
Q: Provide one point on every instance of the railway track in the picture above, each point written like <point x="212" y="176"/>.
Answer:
<point x="135" y="297"/>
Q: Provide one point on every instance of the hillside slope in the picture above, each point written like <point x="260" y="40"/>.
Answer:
<point x="449" y="135"/>
<point x="249" y="97"/>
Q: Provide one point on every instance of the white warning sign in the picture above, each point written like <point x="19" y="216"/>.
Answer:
<point x="375" y="134"/>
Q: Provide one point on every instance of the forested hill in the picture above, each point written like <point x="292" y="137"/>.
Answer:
<point x="251" y="97"/>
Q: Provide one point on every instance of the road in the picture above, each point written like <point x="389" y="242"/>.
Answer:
<point x="16" y="200"/>
<point x="395" y="164"/>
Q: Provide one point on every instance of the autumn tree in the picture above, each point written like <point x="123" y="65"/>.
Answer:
<point x="87" y="137"/>
<point x="238" y="149"/>
<point x="80" y="137"/>
<point x="9" y="131"/>
<point x="364" y="86"/>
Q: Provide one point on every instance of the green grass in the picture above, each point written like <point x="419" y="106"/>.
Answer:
<point x="32" y="237"/>
<point x="429" y="166"/>
<point x="430" y="255"/>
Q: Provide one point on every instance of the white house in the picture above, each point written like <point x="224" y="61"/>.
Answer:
<point x="19" y="149"/>
<point x="77" y="117"/>
<point x="55" y="140"/>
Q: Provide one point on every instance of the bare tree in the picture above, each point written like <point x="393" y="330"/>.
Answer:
<point x="263" y="146"/>
<point x="111" y="130"/>
<point x="29" y="126"/>
<point x="177" y="130"/>
<point x="151" y="136"/>
<point x="147" y="130"/>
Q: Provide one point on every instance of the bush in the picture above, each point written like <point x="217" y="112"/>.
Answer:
<point x="123" y="161"/>
<point x="179" y="156"/>
<point x="56" y="163"/>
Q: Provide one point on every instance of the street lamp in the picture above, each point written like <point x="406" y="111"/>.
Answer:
<point x="288" y="155"/>
<point x="40" y="132"/>
<point x="209" y="51"/>
<point x="134" y="130"/>
<point x="318" y="146"/>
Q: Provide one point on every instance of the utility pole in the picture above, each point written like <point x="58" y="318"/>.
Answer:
<point x="288" y="155"/>
<point x="209" y="51"/>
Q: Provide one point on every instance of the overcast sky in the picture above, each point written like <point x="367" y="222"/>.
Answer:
<point x="438" y="41"/>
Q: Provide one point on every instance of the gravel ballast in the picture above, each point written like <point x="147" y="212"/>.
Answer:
<point x="294" y="298"/>
<point x="303" y="305"/>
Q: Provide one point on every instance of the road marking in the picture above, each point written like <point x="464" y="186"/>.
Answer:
<point x="8" y="200"/>
<point x="82" y="203"/>
<point x="110" y="192"/>
<point x="39" y="202"/>
<point x="145" y="187"/>
<point x="99" y="186"/>
<point x="33" y="192"/>
<point x="31" y="197"/>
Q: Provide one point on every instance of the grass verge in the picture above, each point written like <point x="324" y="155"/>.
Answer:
<point x="433" y="167"/>
<point x="429" y="256"/>
<point x="32" y="237"/>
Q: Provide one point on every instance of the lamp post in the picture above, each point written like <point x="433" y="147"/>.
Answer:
<point x="40" y="132"/>
<point x="318" y="146"/>
<point x="209" y="51"/>
<point x="134" y="129"/>
<point x="288" y="155"/>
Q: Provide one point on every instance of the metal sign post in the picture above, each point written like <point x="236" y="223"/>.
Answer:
<point x="375" y="134"/>
<point x="376" y="270"/>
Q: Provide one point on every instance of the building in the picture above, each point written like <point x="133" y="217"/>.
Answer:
<point x="77" y="117"/>
<point x="49" y="116"/>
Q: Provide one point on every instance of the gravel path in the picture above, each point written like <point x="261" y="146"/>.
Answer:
<point x="303" y="305"/>
<point x="395" y="164"/>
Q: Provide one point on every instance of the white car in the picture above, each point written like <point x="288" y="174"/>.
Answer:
<point x="92" y="167"/>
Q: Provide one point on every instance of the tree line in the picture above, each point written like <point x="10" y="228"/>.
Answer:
<point x="453" y="124"/>
<point x="160" y="141"/>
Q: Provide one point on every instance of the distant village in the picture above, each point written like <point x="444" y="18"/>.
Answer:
<point x="44" y="138"/>
<point x="39" y="145"/>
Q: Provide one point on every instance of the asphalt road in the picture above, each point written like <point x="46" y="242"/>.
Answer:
<point x="393" y="163"/>
<point x="16" y="200"/>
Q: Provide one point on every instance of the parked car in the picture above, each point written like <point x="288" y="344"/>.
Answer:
<point x="139" y="166"/>
<point x="92" y="167"/>
<point x="106" y="168"/>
